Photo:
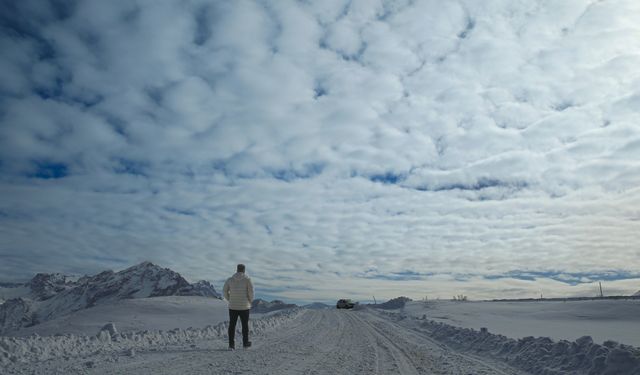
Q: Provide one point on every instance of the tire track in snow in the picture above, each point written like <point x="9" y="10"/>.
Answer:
<point x="456" y="361"/>
<point x="390" y="358"/>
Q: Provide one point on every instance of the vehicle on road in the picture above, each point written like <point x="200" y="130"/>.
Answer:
<point x="345" y="304"/>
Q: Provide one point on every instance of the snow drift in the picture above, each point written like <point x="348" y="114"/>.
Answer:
<point x="536" y="355"/>
<point x="16" y="350"/>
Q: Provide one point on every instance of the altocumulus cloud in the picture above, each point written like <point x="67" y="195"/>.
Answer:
<point x="336" y="147"/>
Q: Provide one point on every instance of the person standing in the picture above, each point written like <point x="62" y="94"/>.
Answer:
<point x="238" y="290"/>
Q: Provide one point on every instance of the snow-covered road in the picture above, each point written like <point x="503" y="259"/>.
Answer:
<point x="314" y="342"/>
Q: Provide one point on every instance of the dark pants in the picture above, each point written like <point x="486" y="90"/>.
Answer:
<point x="233" y="319"/>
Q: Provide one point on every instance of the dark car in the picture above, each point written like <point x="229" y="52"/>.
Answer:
<point x="345" y="304"/>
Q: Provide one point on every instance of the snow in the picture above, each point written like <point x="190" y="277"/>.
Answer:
<point x="617" y="320"/>
<point x="292" y="341"/>
<point x="539" y="355"/>
<point x="31" y="352"/>
<point x="89" y="328"/>
<point x="157" y="313"/>
<point x="326" y="341"/>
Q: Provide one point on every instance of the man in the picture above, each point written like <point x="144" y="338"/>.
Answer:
<point x="238" y="290"/>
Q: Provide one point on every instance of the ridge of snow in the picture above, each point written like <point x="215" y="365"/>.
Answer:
<point x="200" y="288"/>
<point x="394" y="303"/>
<point x="46" y="285"/>
<point x="536" y="355"/>
<point x="21" y="350"/>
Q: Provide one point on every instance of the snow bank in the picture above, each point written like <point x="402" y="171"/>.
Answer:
<point x="617" y="320"/>
<point x="395" y="303"/>
<point x="540" y="355"/>
<point x="39" y="348"/>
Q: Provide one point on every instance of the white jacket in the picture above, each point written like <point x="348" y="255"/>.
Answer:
<point x="238" y="290"/>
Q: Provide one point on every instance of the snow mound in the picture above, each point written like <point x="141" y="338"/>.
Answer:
<point x="20" y="350"/>
<point x="541" y="355"/>
<point x="110" y="328"/>
<point x="394" y="303"/>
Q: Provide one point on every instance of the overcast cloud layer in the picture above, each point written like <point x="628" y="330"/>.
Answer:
<point x="338" y="148"/>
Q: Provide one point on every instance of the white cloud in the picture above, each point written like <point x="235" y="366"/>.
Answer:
<point x="317" y="140"/>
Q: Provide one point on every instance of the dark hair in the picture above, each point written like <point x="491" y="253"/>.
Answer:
<point x="240" y="268"/>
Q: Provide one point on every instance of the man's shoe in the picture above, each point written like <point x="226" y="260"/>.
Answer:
<point x="231" y="348"/>
<point x="247" y="345"/>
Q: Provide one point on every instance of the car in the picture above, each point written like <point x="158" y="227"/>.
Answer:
<point x="345" y="304"/>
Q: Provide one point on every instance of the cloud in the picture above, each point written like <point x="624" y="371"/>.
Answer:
<point x="433" y="143"/>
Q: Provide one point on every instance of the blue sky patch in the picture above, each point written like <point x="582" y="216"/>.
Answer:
<point x="50" y="170"/>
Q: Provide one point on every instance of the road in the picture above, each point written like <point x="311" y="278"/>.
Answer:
<point x="316" y="342"/>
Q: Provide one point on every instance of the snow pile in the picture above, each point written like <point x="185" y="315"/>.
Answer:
<point x="542" y="355"/>
<point x="394" y="303"/>
<point x="38" y="348"/>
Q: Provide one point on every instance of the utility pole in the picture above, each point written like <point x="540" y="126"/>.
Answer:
<point x="601" y="295"/>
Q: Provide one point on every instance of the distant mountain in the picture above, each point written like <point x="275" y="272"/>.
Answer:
<point x="317" y="306"/>
<point x="49" y="296"/>
<point x="261" y="306"/>
<point x="637" y="294"/>
<point x="10" y="285"/>
<point x="201" y="288"/>
<point x="46" y="285"/>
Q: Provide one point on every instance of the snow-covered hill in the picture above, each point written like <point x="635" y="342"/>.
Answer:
<point x="394" y="303"/>
<point x="261" y="306"/>
<point x="50" y="296"/>
<point x="138" y="314"/>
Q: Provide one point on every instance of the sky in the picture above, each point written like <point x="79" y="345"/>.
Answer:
<point x="340" y="149"/>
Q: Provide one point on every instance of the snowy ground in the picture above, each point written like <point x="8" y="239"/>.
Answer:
<point x="330" y="341"/>
<point x="157" y="313"/>
<point x="617" y="320"/>
<point x="306" y="342"/>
